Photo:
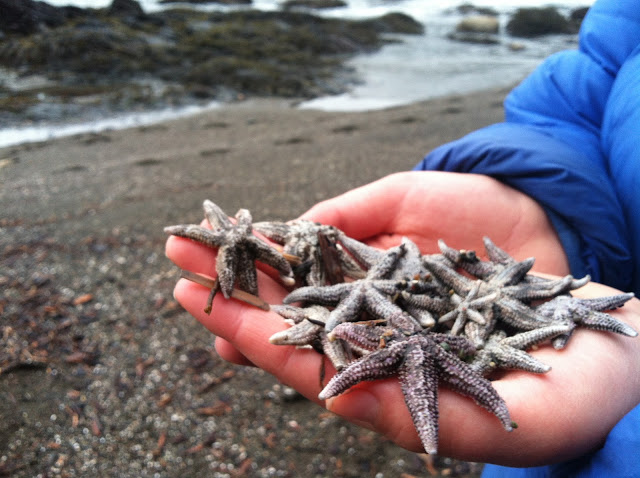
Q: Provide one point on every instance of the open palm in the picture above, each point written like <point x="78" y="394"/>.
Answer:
<point x="560" y="414"/>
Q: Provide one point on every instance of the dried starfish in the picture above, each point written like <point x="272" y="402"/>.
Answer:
<point x="589" y="313"/>
<point x="422" y="361"/>
<point x="501" y="351"/>
<point x="373" y="294"/>
<point x="323" y="261"/>
<point x="309" y="330"/>
<point x="238" y="249"/>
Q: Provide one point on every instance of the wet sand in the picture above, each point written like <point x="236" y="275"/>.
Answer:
<point x="102" y="373"/>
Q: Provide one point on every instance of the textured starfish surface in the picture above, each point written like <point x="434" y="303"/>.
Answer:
<point x="422" y="362"/>
<point x="322" y="258"/>
<point x="373" y="294"/>
<point x="308" y="329"/>
<point x="447" y="319"/>
<point x="238" y="249"/>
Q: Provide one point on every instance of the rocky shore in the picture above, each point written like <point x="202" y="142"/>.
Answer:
<point x="68" y="62"/>
<point x="61" y="64"/>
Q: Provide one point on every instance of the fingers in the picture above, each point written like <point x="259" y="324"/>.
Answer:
<point x="228" y="352"/>
<point x="249" y="329"/>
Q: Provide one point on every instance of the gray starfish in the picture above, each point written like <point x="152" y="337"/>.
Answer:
<point x="323" y="261"/>
<point x="373" y="294"/>
<point x="468" y="308"/>
<point x="503" y="352"/>
<point x="422" y="361"/>
<point x="309" y="330"/>
<point x="510" y="290"/>
<point x="586" y="312"/>
<point x="238" y="249"/>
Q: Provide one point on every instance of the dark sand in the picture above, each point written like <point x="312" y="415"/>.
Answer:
<point x="102" y="373"/>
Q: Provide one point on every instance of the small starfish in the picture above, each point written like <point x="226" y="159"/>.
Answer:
<point x="373" y="294"/>
<point x="586" y="312"/>
<point x="308" y="330"/>
<point x="512" y="293"/>
<point x="323" y="261"/>
<point x="422" y="361"/>
<point x="467" y="308"/>
<point x="237" y="248"/>
<point x="502" y="352"/>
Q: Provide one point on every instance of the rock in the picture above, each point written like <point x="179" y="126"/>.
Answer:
<point x="469" y="8"/>
<point x="318" y="4"/>
<point x="475" y="37"/>
<point x="125" y="8"/>
<point x="478" y="24"/>
<point x="223" y="2"/>
<point x="26" y="16"/>
<point x="531" y="22"/>
<point x="395" y="23"/>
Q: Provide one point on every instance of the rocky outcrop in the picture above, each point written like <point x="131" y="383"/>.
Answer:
<point x="130" y="58"/>
<point x="25" y="17"/>
<point x="531" y="22"/>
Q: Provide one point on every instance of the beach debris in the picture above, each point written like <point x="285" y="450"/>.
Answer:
<point x="448" y="318"/>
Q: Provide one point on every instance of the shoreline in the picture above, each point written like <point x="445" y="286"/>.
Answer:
<point x="103" y="373"/>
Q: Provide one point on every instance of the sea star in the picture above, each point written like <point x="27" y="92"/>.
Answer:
<point x="323" y="261"/>
<point x="238" y="249"/>
<point x="573" y="311"/>
<point x="501" y="351"/>
<point x="308" y="329"/>
<point x="511" y="291"/>
<point x="373" y="294"/>
<point x="422" y="361"/>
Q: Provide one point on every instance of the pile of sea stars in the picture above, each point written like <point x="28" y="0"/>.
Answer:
<point x="446" y="318"/>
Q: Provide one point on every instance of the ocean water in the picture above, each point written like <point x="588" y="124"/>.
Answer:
<point x="415" y="69"/>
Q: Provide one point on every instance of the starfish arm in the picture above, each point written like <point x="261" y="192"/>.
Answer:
<point x="462" y="378"/>
<point x="364" y="254"/>
<point x="347" y="310"/>
<point x="423" y="316"/>
<point x="460" y="284"/>
<point x="291" y="312"/>
<point x="419" y="382"/>
<point x="302" y="333"/>
<point x="519" y="315"/>
<point x="337" y="352"/>
<point x="349" y="266"/>
<point x="216" y="216"/>
<point x="526" y="340"/>
<point x="496" y="254"/>
<point x="505" y="357"/>
<point x="246" y="274"/>
<point x="226" y="267"/>
<point x="270" y="256"/>
<point x="467" y="260"/>
<point x="435" y="304"/>
<point x="608" y="323"/>
<point x="361" y="335"/>
<point x="544" y="289"/>
<point x="379" y="305"/>
<point x="325" y="295"/>
<point x="513" y="273"/>
<point x="387" y="264"/>
<point x="274" y="230"/>
<point x="605" y="303"/>
<point x="197" y="233"/>
<point x="379" y="364"/>
<point x="410" y="264"/>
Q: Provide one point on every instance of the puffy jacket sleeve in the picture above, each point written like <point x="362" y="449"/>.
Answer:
<point x="551" y="144"/>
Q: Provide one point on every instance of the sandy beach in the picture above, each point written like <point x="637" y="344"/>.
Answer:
<point x="101" y="372"/>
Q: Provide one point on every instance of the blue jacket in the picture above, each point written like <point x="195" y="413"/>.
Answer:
<point x="571" y="141"/>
